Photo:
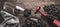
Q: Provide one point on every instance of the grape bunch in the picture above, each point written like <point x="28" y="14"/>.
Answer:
<point x="52" y="10"/>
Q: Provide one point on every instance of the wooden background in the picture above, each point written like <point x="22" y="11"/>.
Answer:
<point x="29" y="4"/>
